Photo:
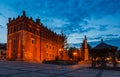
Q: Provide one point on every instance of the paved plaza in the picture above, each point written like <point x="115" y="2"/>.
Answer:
<point x="25" y="69"/>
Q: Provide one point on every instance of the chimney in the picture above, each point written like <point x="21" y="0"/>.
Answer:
<point x="30" y="18"/>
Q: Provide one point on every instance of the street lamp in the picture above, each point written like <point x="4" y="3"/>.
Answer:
<point x="61" y="53"/>
<point x="75" y="55"/>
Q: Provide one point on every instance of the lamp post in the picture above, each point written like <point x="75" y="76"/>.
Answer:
<point x="75" y="56"/>
<point x="61" y="53"/>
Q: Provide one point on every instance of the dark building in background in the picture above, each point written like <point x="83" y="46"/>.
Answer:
<point x="2" y="51"/>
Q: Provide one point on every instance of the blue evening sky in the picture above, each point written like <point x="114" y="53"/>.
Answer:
<point x="94" y="18"/>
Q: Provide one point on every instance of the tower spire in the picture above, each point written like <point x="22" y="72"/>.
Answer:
<point x="84" y="49"/>
<point x="85" y="37"/>
<point x="101" y="40"/>
<point x="85" y="41"/>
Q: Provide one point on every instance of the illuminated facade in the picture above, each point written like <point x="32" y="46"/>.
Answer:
<point x="29" y="40"/>
<point x="84" y="50"/>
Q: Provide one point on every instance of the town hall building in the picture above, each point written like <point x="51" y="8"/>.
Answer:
<point x="29" y="40"/>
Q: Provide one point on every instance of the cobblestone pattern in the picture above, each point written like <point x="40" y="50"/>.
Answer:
<point x="24" y="69"/>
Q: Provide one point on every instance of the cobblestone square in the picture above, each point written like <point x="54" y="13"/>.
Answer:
<point x="25" y="69"/>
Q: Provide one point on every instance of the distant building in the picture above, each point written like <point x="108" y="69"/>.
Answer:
<point x="103" y="53"/>
<point x="2" y="51"/>
<point x="84" y="50"/>
<point x="29" y="40"/>
<point x="64" y="55"/>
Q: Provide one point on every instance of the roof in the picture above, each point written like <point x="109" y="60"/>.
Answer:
<point x="103" y="45"/>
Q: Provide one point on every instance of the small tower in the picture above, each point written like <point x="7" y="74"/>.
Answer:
<point x="24" y="13"/>
<point x="84" y="50"/>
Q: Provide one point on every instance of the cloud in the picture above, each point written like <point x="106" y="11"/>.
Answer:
<point x="1" y="26"/>
<point x="105" y="7"/>
<point x="73" y="10"/>
<point x="75" y="17"/>
<point x="0" y="13"/>
<point x="110" y="36"/>
<point x="104" y="37"/>
<point x="103" y="27"/>
<point x="54" y="22"/>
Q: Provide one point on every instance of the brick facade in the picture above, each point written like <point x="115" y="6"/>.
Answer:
<point x="29" y="40"/>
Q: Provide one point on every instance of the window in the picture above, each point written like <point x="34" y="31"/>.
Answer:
<point x="50" y="47"/>
<point x="14" y="29"/>
<point x="33" y="41"/>
<point x="11" y="30"/>
<point x="53" y="48"/>
<point x="17" y="28"/>
<point x="33" y="31"/>
<point x="1" y="53"/>
<point x="37" y="32"/>
<point x="20" y="28"/>
<point x="28" y="29"/>
<point x="14" y="41"/>
<point x="46" y="54"/>
<point x="46" y="46"/>
<point x="14" y="51"/>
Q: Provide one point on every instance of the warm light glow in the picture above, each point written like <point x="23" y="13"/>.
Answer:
<point x="107" y="58"/>
<point x="75" y="53"/>
<point x="60" y="49"/>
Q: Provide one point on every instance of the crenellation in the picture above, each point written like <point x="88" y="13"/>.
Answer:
<point x="9" y="19"/>
<point x="18" y="17"/>
<point x="37" y="20"/>
<point x="13" y="19"/>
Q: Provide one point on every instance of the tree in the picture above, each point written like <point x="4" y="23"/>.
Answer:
<point x="89" y="50"/>
<point x="70" y="52"/>
<point x="64" y="49"/>
<point x="74" y="53"/>
<point x="65" y="45"/>
<point x="118" y="54"/>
